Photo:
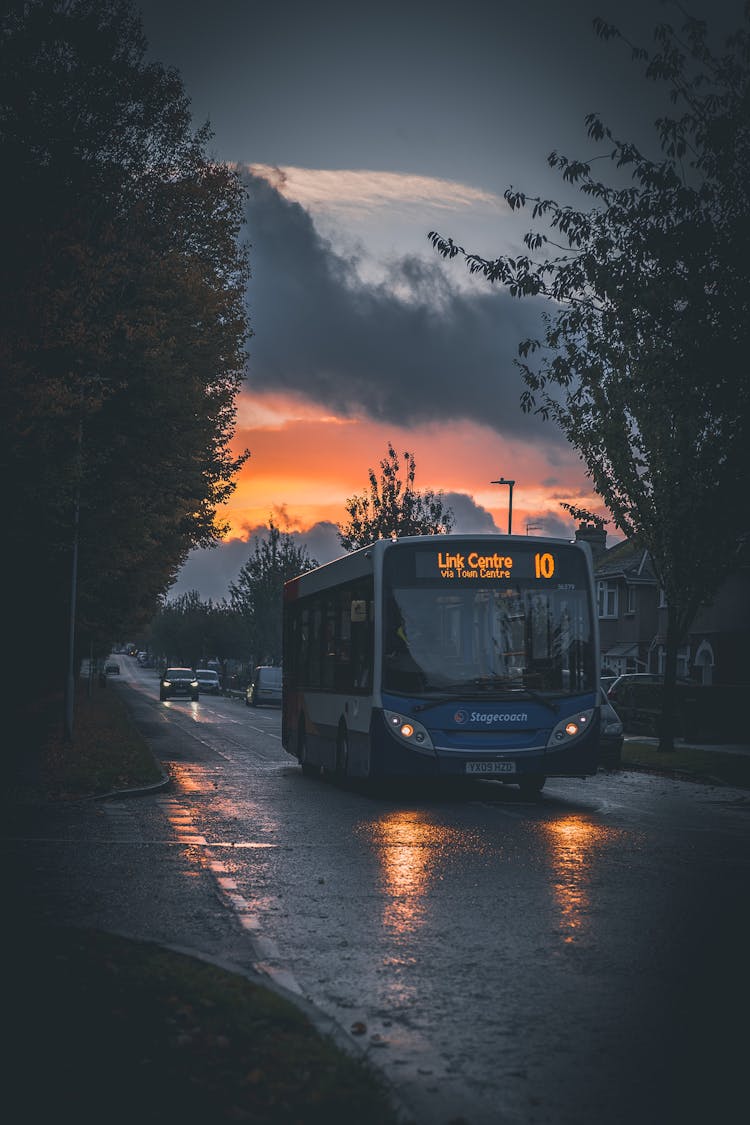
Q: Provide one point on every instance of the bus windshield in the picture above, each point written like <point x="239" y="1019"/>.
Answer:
<point x="479" y="638"/>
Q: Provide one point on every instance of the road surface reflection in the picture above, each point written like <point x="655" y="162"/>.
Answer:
<point x="573" y="844"/>
<point x="410" y="845"/>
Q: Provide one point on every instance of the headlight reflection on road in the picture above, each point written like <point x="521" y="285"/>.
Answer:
<point x="409" y="845"/>
<point x="573" y="844"/>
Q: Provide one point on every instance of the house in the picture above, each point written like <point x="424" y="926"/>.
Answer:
<point x="627" y="593"/>
<point x="717" y="648"/>
<point x="633" y="615"/>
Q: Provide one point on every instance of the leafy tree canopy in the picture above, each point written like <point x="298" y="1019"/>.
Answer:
<point x="122" y="286"/>
<point x="644" y="358"/>
<point x="393" y="507"/>
<point x="257" y="595"/>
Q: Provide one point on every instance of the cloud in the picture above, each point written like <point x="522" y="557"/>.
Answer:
<point x="368" y="191"/>
<point x="409" y="351"/>
<point x="468" y="517"/>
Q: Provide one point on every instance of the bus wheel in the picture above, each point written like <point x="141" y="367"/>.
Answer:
<point x="342" y="754"/>
<point x="532" y="784"/>
<point x="308" y="769"/>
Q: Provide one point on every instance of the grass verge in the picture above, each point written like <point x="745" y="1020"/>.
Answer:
<point x="107" y="751"/>
<point x="714" y="766"/>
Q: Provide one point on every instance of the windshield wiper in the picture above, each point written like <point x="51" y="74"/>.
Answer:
<point x="468" y="690"/>
<point x="518" y="687"/>
<point x="509" y="689"/>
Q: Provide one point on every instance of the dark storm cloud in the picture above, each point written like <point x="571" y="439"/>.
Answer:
<point x="409" y="351"/>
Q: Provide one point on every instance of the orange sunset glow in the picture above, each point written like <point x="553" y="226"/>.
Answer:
<point x="305" y="463"/>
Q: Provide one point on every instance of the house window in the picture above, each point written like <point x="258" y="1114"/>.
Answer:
<point x="662" y="598"/>
<point x="630" y="599"/>
<point x="606" y="593"/>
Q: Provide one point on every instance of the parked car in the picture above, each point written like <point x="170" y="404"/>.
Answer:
<point x="621" y="683"/>
<point x="178" y="682"/>
<point x="265" y="686"/>
<point x="112" y="668"/>
<point x="208" y="681"/>
<point x="612" y="734"/>
<point x="638" y="699"/>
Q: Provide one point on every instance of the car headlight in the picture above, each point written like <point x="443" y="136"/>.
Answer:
<point x="408" y="730"/>
<point x="570" y="728"/>
<point x="194" y="683"/>
<point x="167" y="683"/>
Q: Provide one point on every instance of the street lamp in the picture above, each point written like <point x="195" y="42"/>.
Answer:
<point x="510" y="484"/>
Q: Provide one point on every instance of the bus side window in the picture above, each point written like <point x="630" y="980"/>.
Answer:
<point x="344" y="641"/>
<point x="362" y="638"/>
<point x="316" y="643"/>
<point x="303" y="640"/>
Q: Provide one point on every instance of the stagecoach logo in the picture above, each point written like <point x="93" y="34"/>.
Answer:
<point x="490" y="717"/>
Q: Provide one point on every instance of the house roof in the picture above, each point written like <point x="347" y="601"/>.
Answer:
<point x="626" y="561"/>
<point x="622" y="648"/>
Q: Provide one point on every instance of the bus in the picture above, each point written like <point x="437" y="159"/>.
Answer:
<point x="437" y="656"/>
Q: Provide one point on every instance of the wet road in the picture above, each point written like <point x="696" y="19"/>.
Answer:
<point x="575" y="959"/>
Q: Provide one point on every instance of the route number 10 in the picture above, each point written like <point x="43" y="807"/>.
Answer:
<point x="544" y="565"/>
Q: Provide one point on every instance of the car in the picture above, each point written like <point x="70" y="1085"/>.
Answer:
<point x="621" y="683"/>
<point x="208" y="681"/>
<point x="177" y="682"/>
<point x="607" y="681"/>
<point x="112" y="668"/>
<point x="265" y="686"/>
<point x="612" y="734"/>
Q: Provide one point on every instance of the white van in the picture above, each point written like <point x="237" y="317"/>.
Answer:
<point x="265" y="686"/>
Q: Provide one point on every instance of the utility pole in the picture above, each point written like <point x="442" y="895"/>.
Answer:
<point x="510" y="484"/>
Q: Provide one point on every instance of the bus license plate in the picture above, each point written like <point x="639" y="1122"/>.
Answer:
<point x="490" y="767"/>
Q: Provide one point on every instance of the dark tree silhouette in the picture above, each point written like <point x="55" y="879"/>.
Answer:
<point x="122" y="286"/>
<point x="393" y="507"/>
<point x="644" y="360"/>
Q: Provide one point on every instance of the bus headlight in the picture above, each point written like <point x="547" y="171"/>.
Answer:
<point x="408" y="731"/>
<point x="570" y="728"/>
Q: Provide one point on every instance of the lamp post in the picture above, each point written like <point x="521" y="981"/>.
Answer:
<point x="510" y="484"/>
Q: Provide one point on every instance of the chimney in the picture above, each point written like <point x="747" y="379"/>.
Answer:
<point x="596" y="537"/>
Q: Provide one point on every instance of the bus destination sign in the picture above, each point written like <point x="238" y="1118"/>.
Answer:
<point x="466" y="564"/>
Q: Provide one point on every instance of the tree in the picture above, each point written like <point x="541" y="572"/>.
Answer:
<point x="122" y="285"/>
<point x="644" y="359"/>
<point x="191" y="632"/>
<point x="393" y="508"/>
<point x="257" y="595"/>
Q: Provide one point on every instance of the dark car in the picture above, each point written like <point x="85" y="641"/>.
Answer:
<point x="612" y="735"/>
<point x="208" y="681"/>
<point x="638" y="699"/>
<point x="179" y="682"/>
<point x="621" y="683"/>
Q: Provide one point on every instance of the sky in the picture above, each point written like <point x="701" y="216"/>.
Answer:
<point x="358" y="129"/>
